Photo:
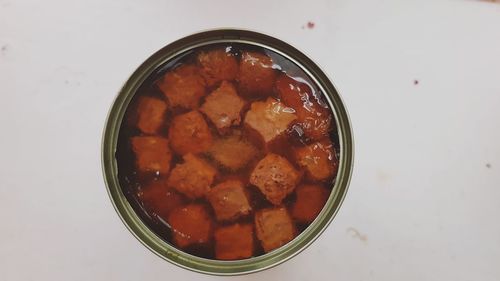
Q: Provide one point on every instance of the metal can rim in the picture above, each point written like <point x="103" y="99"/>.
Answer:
<point x="167" y="251"/>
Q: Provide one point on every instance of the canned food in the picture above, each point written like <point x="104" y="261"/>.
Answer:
<point x="227" y="152"/>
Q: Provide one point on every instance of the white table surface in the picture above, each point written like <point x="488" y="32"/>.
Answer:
<point x="424" y="201"/>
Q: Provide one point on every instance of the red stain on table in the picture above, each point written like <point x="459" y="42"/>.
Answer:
<point x="309" y="25"/>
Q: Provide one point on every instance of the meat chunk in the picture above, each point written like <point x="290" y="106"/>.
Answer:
<point x="190" y="225"/>
<point x="150" y="114"/>
<point x="319" y="160"/>
<point x="275" y="177"/>
<point x="159" y="199"/>
<point x="232" y="152"/>
<point x="223" y="107"/>
<point x="274" y="228"/>
<point x="152" y="154"/>
<point x="193" y="177"/>
<point x="312" y="114"/>
<point x="229" y="200"/>
<point x="189" y="133"/>
<point x="234" y="242"/>
<point x="310" y="201"/>
<point x="256" y="76"/>
<point x="218" y="65"/>
<point x="270" y="118"/>
<point x="183" y="87"/>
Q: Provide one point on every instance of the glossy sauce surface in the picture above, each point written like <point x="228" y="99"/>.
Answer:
<point x="228" y="151"/>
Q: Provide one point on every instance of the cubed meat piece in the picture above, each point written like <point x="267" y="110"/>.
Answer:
<point x="218" y="65"/>
<point x="319" y="160"/>
<point x="192" y="178"/>
<point x="152" y="154"/>
<point x="275" y="177"/>
<point x="310" y="200"/>
<point x="190" y="225"/>
<point x="158" y="199"/>
<point x="223" y="107"/>
<point x="234" y="242"/>
<point x="189" y="133"/>
<point x="270" y="118"/>
<point x="256" y="76"/>
<point x="233" y="152"/>
<point x="150" y="114"/>
<point x="183" y="87"/>
<point x="229" y="200"/>
<point x="312" y="113"/>
<point x="274" y="228"/>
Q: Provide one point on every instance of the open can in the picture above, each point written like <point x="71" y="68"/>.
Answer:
<point x="209" y="266"/>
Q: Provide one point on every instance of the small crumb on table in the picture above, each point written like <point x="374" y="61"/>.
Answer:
<point x="308" y="25"/>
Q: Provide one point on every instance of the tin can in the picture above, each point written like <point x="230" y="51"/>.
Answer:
<point x="216" y="267"/>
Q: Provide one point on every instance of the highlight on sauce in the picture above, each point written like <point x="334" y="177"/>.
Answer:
<point x="228" y="151"/>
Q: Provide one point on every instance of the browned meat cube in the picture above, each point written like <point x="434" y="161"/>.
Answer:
<point x="310" y="201"/>
<point x="232" y="152"/>
<point x="190" y="225"/>
<point x="229" y="200"/>
<point x="183" y="87"/>
<point x="193" y="177"/>
<point x="313" y="116"/>
<point x="275" y="177"/>
<point x="270" y="118"/>
<point x="218" y="65"/>
<point x="150" y="114"/>
<point x="274" y="228"/>
<point x="319" y="160"/>
<point x="256" y="76"/>
<point x="223" y="107"/>
<point x="234" y="242"/>
<point x="152" y="154"/>
<point x="189" y="133"/>
<point x="159" y="199"/>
